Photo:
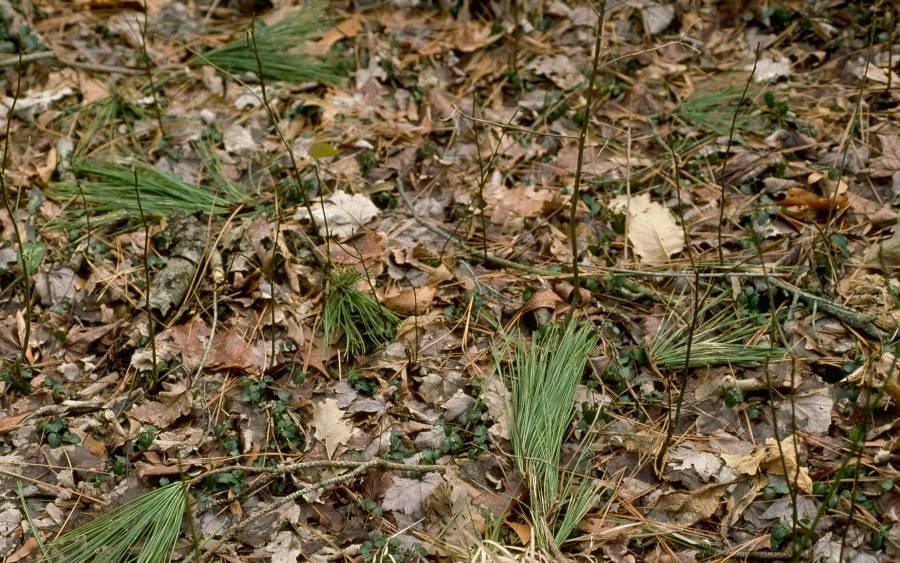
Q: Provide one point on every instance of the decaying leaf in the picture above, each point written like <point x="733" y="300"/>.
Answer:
<point x="408" y="495"/>
<point x="330" y="426"/>
<point x="342" y="214"/>
<point x="686" y="508"/>
<point x="774" y="458"/>
<point x="652" y="229"/>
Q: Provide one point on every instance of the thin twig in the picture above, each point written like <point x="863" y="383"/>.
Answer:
<point x="358" y="468"/>
<point x="697" y="304"/>
<point x="734" y="117"/>
<point x="145" y="55"/>
<point x="151" y="321"/>
<point x="582" y="139"/>
<point x="52" y="57"/>
<point x="22" y="358"/>
<point x="457" y="110"/>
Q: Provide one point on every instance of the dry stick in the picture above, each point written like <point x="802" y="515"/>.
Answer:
<point x="50" y="56"/>
<point x="151" y="321"/>
<point x="844" y="314"/>
<point x="357" y="469"/>
<point x="660" y="461"/>
<point x="773" y="327"/>
<point x="481" y="179"/>
<point x="22" y="359"/>
<point x="734" y="117"/>
<point x="145" y="55"/>
<point x="826" y="233"/>
<point x="582" y="138"/>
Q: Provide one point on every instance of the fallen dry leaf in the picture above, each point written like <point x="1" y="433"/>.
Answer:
<point x="652" y="229"/>
<point x="342" y="214"/>
<point x="413" y="301"/>
<point x="330" y="427"/>
<point x="408" y="495"/>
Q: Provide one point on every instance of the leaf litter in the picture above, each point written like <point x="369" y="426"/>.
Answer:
<point x="165" y="293"/>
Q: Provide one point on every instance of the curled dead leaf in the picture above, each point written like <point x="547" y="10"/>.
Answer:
<point x="413" y="301"/>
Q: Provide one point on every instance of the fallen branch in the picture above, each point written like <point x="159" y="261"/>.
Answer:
<point x="844" y="314"/>
<point x="359" y="467"/>
<point x="52" y="57"/>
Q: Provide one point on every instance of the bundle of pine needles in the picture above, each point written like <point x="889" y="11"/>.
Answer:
<point x="108" y="192"/>
<point x="543" y="375"/>
<point x="278" y="50"/>
<point x="355" y="314"/>
<point x="143" y="530"/>
<point x="720" y="338"/>
<point x="714" y="110"/>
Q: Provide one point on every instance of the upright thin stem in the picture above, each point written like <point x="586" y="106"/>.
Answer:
<point x="734" y="117"/>
<point x="145" y="55"/>
<point x="295" y="169"/>
<point x="20" y="242"/>
<point x="151" y="322"/>
<point x="692" y="327"/>
<point x="582" y="139"/>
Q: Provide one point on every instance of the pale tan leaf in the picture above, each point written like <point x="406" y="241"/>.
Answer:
<point x="652" y="230"/>
<point x="330" y="426"/>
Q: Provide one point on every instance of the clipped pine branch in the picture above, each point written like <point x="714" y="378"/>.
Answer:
<point x="108" y="190"/>
<point x="142" y="530"/>
<point x="280" y="48"/>
<point x="354" y="314"/>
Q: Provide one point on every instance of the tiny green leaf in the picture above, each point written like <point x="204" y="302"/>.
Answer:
<point x="322" y="150"/>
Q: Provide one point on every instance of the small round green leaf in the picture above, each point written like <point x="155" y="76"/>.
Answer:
<point x="322" y="150"/>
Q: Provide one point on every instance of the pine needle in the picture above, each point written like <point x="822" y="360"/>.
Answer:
<point x="720" y="338"/>
<point x="543" y="376"/>
<point x="142" y="530"/>
<point x="279" y="47"/>
<point x="108" y="190"/>
<point x="356" y="315"/>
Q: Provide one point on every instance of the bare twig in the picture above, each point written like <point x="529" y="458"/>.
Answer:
<point x="17" y="234"/>
<point x="52" y="57"/>
<point x="582" y="138"/>
<point x="734" y="117"/>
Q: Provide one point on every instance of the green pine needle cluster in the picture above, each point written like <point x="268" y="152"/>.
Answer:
<point x="543" y="376"/>
<point x="108" y="190"/>
<point x="720" y="338"/>
<point x="278" y="50"/>
<point x="714" y="110"/>
<point x="143" y="530"/>
<point x="355" y="315"/>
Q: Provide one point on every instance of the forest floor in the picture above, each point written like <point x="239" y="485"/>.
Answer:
<point x="206" y="277"/>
